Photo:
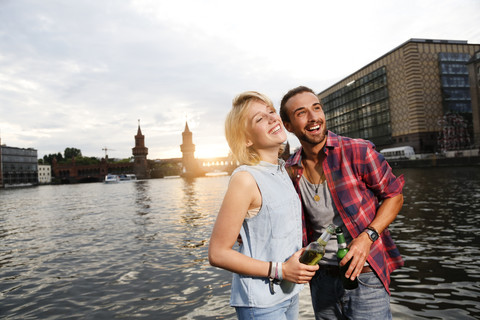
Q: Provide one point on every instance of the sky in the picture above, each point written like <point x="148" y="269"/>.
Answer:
<point x="81" y="74"/>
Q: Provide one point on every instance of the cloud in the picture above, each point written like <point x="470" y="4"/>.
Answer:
<point x="80" y="74"/>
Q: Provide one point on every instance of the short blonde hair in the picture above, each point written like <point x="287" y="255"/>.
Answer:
<point x="236" y="131"/>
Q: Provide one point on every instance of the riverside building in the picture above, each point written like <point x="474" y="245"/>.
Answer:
<point x="418" y="95"/>
<point x="44" y="174"/>
<point x="18" y="167"/>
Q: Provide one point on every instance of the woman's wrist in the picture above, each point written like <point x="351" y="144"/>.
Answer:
<point x="275" y="270"/>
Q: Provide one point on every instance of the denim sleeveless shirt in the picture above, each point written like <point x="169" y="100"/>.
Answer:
<point x="274" y="234"/>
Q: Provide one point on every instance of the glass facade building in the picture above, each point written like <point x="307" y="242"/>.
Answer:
<point x="360" y="109"/>
<point x="19" y="166"/>
<point x="455" y="84"/>
<point x="401" y="99"/>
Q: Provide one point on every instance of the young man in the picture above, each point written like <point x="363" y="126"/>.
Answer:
<point x="347" y="182"/>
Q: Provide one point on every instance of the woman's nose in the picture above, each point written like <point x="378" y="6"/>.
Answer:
<point x="272" y="117"/>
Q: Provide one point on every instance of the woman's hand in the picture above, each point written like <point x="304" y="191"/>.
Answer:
<point x="295" y="271"/>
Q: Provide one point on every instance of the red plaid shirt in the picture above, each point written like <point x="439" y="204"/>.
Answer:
<point x="358" y="178"/>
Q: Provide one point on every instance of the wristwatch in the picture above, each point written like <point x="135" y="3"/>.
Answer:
<point x="372" y="233"/>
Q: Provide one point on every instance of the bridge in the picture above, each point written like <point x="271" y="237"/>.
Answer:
<point x="222" y="164"/>
<point x="73" y="173"/>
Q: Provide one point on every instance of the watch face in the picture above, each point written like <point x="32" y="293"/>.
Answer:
<point x="372" y="234"/>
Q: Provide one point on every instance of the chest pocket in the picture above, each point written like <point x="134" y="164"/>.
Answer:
<point x="284" y="217"/>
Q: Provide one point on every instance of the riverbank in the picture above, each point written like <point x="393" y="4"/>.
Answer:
<point x="435" y="161"/>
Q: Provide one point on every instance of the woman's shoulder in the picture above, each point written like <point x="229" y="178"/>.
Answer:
<point x="242" y="178"/>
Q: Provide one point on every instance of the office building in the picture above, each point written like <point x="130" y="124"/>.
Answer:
<point x="474" y="77"/>
<point x="18" y="166"/>
<point x="416" y="95"/>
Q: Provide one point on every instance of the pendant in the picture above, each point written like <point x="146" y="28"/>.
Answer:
<point x="316" y="198"/>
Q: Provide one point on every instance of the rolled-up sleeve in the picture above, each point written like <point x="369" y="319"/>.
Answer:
<point x="379" y="177"/>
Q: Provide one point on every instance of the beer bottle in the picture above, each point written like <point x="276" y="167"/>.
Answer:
<point x="315" y="250"/>
<point x="342" y="251"/>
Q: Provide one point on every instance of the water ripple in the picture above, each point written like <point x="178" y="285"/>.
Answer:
<point x="139" y="250"/>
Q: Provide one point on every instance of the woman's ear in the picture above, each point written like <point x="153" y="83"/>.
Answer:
<point x="249" y="143"/>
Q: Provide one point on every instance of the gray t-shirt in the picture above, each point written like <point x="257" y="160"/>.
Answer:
<point x="320" y="214"/>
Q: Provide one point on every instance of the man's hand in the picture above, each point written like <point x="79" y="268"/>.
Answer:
<point x="359" y="250"/>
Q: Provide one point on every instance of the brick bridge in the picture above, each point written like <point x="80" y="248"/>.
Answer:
<point x="73" y="173"/>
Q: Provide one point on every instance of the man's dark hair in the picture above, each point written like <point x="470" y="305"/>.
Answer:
<point x="287" y="96"/>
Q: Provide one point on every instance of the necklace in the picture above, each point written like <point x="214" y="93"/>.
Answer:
<point x="316" y="197"/>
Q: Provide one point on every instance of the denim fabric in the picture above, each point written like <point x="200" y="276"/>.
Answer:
<point x="330" y="301"/>
<point x="274" y="234"/>
<point x="287" y="310"/>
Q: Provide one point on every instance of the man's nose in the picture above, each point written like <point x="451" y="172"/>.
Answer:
<point x="311" y="115"/>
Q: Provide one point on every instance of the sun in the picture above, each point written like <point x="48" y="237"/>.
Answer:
<point x="208" y="151"/>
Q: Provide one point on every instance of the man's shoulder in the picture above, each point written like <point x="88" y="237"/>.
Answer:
<point x="294" y="159"/>
<point x="352" y="142"/>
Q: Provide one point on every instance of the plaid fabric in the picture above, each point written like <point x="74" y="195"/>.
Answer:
<point x="358" y="178"/>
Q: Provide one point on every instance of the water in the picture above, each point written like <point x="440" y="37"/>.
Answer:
<point x="438" y="233"/>
<point x="139" y="250"/>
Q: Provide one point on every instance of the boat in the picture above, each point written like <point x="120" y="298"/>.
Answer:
<point x="112" y="178"/>
<point x="127" y="177"/>
<point x="216" y="173"/>
<point x="116" y="178"/>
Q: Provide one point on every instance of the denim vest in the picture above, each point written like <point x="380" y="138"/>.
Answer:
<point x="274" y="234"/>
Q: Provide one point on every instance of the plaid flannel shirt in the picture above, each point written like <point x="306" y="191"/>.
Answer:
<point x="358" y="178"/>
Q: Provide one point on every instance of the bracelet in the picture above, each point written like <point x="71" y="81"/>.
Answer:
<point x="271" y="274"/>
<point x="274" y="275"/>
<point x="275" y="270"/>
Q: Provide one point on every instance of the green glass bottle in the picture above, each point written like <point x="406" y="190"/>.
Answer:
<point x="315" y="250"/>
<point x="342" y="251"/>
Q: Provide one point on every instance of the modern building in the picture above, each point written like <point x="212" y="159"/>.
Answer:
<point x="474" y="78"/>
<point x="18" y="166"/>
<point x="406" y="97"/>
<point x="1" y="165"/>
<point x="44" y="174"/>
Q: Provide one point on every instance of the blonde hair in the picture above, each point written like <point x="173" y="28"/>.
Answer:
<point x="236" y="131"/>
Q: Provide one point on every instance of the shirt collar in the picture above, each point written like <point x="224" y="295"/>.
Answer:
<point x="296" y="159"/>
<point x="272" y="167"/>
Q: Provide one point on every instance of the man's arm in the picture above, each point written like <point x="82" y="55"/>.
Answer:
<point x="359" y="248"/>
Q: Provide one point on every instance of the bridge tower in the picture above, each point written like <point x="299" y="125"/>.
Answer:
<point x="140" y="152"/>
<point x="190" y="167"/>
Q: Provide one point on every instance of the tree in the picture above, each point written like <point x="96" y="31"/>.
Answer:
<point x="47" y="159"/>
<point x="70" y="153"/>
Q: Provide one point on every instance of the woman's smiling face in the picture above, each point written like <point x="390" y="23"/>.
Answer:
<point x="265" y="129"/>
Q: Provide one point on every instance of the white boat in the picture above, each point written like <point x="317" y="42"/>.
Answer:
<point x="216" y="173"/>
<point x="112" y="178"/>
<point x="127" y="177"/>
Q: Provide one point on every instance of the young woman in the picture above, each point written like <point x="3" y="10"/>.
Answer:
<point x="262" y="206"/>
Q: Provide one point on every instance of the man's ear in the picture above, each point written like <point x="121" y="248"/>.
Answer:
<point x="288" y="126"/>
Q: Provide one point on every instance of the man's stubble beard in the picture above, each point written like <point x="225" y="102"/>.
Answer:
<point x="314" y="141"/>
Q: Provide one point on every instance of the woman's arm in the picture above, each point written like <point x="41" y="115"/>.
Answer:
<point x="243" y="194"/>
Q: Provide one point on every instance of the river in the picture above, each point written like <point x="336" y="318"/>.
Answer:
<point x="138" y="250"/>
